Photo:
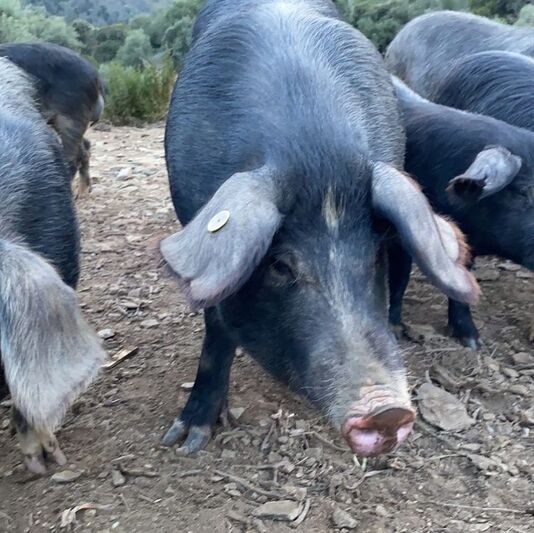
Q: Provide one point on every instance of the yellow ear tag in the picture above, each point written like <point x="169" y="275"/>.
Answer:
<point x="218" y="221"/>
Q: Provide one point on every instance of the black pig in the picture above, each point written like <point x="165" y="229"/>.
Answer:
<point x="284" y="148"/>
<point x="479" y="171"/>
<point x="48" y="352"/>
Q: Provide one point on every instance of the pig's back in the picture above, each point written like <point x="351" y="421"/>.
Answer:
<point x="280" y="82"/>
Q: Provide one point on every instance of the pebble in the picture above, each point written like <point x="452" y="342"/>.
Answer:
<point x="150" y="323"/>
<point x="117" y="479"/>
<point x="442" y="409"/>
<point x="188" y="385"/>
<point x="65" y="476"/>
<point x="124" y="174"/>
<point x="107" y="333"/>
<point x="228" y="454"/>
<point x="343" y="520"/>
<point x="523" y="358"/>
<point x="283" y="510"/>
<point x="237" y="412"/>
<point x="487" y="274"/>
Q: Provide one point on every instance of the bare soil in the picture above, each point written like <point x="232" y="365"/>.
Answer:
<point x="480" y="479"/>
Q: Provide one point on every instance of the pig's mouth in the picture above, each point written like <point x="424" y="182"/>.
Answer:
<point x="377" y="424"/>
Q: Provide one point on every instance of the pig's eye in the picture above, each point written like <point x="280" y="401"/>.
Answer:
<point x="281" y="271"/>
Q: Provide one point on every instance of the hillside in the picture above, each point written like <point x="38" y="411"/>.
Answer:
<point x="99" y="12"/>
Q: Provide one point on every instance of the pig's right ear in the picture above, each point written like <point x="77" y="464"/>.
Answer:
<point x="492" y="170"/>
<point x="217" y="251"/>
<point x="435" y="243"/>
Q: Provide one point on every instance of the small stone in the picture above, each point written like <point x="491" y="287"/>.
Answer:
<point x="299" y="493"/>
<point x="510" y="372"/>
<point x="228" y="454"/>
<point x="421" y="332"/>
<point x="117" y="479"/>
<point x="442" y="409"/>
<point x="237" y="412"/>
<point x="283" y="510"/>
<point x="527" y="417"/>
<point x="483" y="463"/>
<point x="343" y="520"/>
<point x="523" y="358"/>
<point x="520" y="390"/>
<point x="65" y="476"/>
<point x="188" y="385"/>
<point x="150" y="323"/>
<point x="380" y="510"/>
<point x="274" y="458"/>
<point x="106" y="333"/>
<point x="487" y="274"/>
<point x="5" y="424"/>
<point x="511" y="267"/>
<point x="124" y="174"/>
<point x="316" y="453"/>
<point x="524" y="274"/>
<point x="488" y="417"/>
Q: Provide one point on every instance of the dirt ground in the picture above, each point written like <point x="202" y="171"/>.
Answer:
<point x="480" y="479"/>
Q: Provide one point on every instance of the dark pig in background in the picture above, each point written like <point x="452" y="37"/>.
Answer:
<point x="424" y="50"/>
<point x="283" y="146"/>
<point x="497" y="84"/>
<point x="48" y="352"/>
<point x="479" y="171"/>
<point x="69" y="92"/>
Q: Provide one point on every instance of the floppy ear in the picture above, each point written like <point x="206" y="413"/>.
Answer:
<point x="492" y="170"/>
<point x="217" y="251"/>
<point x="436" y="244"/>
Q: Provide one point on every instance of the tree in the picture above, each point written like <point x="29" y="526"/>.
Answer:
<point x="135" y="50"/>
<point x="526" y="16"/>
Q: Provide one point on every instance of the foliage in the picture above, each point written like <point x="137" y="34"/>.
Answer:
<point x="19" y="23"/>
<point x="381" y="20"/>
<point x="99" y="12"/>
<point x="132" y="40"/>
<point x="135" y="50"/>
<point x="137" y="93"/>
<point x="526" y="16"/>
<point x="506" y="10"/>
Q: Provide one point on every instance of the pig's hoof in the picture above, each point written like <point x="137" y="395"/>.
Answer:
<point x="35" y="464"/>
<point x="378" y="433"/>
<point x="397" y="330"/>
<point x="473" y="343"/>
<point x="196" y="440"/>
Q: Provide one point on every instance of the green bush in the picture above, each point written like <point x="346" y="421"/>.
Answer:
<point x="137" y="94"/>
<point x="526" y="16"/>
<point x="381" y="20"/>
<point x="18" y="23"/>
<point x="136" y="49"/>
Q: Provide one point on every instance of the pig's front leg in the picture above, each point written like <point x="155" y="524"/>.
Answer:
<point x="207" y="402"/>
<point x="462" y="326"/>
<point x="400" y="267"/>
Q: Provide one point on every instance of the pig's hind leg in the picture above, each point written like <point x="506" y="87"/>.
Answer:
<point x="36" y="446"/>
<point x="207" y="402"/>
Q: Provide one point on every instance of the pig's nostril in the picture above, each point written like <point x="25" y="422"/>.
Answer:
<point x="378" y="433"/>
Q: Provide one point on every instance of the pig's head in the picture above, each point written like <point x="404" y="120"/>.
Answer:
<point x="298" y="275"/>
<point x="497" y="189"/>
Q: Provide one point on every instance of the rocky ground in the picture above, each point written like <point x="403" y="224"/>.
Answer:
<point x="469" y="465"/>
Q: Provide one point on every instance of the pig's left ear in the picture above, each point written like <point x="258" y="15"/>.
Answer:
<point x="436" y="244"/>
<point x="217" y="251"/>
<point x="492" y="170"/>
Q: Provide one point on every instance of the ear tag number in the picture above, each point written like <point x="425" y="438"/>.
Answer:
<point x="218" y="221"/>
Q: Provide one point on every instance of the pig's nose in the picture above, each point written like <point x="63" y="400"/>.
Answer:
<point x="378" y="433"/>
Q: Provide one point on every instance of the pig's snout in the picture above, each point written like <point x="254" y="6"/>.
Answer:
<point x="378" y="432"/>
